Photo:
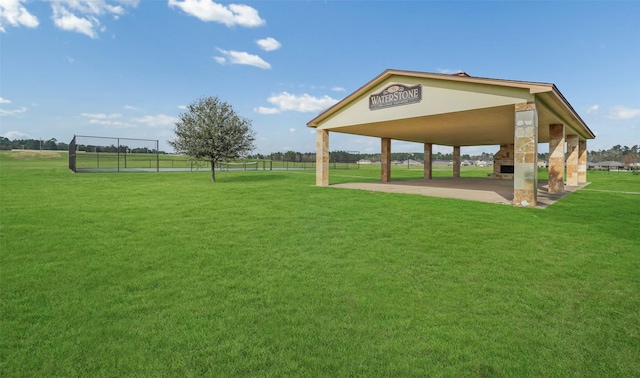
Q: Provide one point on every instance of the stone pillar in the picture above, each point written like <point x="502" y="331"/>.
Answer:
<point x="322" y="157"/>
<point x="428" y="161"/>
<point x="572" y="160"/>
<point x="556" y="158"/>
<point x="582" y="161"/>
<point x="456" y="161"/>
<point x="385" y="160"/>
<point x="525" y="177"/>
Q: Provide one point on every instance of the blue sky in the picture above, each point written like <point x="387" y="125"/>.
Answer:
<point x="126" y="68"/>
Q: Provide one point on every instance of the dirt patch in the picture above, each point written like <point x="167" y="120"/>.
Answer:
<point x="30" y="154"/>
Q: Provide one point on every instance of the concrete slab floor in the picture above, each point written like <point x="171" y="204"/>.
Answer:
<point x="465" y="188"/>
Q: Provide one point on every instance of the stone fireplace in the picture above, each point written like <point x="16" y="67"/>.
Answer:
<point x="503" y="163"/>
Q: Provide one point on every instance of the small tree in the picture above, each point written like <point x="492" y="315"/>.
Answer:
<point x="211" y="130"/>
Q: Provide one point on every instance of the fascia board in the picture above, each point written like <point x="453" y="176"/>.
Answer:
<point x="564" y="113"/>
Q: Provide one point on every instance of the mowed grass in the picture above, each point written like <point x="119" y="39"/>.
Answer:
<point x="264" y="274"/>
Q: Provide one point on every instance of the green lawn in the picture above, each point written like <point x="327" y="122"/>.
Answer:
<point x="264" y="274"/>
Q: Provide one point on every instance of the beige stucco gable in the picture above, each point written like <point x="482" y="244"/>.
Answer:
<point x="438" y="97"/>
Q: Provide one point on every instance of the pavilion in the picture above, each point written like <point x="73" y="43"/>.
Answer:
<point x="461" y="110"/>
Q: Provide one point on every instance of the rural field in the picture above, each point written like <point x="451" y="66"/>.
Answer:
<point x="264" y="274"/>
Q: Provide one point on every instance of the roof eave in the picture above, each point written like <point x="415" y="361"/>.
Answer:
<point x="560" y="97"/>
<point x="314" y="122"/>
<point x="532" y="86"/>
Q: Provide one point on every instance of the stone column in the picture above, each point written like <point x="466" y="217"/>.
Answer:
<point x="582" y="161"/>
<point x="385" y="160"/>
<point x="428" y="161"/>
<point x="525" y="177"/>
<point x="572" y="160"/>
<point x="456" y="161"/>
<point x="556" y="158"/>
<point x="322" y="157"/>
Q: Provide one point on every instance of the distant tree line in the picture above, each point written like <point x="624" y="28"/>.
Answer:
<point x="623" y="154"/>
<point x="32" y="144"/>
<point x="53" y="144"/>
<point x="286" y="156"/>
<point x="121" y="148"/>
<point x="350" y="156"/>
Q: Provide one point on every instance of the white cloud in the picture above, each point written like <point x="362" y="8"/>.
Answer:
<point x="16" y="135"/>
<point x="263" y="110"/>
<point x="593" y="109"/>
<point x="160" y="120"/>
<point x="239" y="57"/>
<point x="12" y="112"/>
<point x="66" y="20"/>
<point x="338" y="89"/>
<point x="183" y="107"/>
<point x="623" y="113"/>
<point x="447" y="71"/>
<point x="4" y="101"/>
<point x="101" y="115"/>
<point x="82" y="16"/>
<point x="14" y="14"/>
<point x="304" y="103"/>
<point x="131" y="3"/>
<point x="207" y="10"/>
<point x="292" y="130"/>
<point x="130" y="107"/>
<point x="268" y="44"/>
<point x="94" y="7"/>
<point x="111" y="124"/>
<point x="312" y="131"/>
<point x="107" y="120"/>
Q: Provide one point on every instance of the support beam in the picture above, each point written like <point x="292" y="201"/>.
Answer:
<point x="322" y="158"/>
<point x="582" y="162"/>
<point x="428" y="161"/>
<point x="525" y="177"/>
<point x="572" y="160"/>
<point x="385" y="160"/>
<point x="456" y="161"/>
<point x="556" y="158"/>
